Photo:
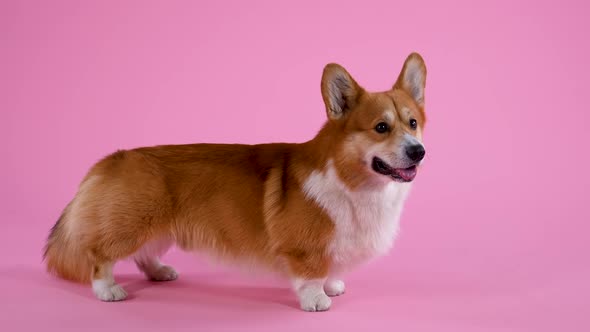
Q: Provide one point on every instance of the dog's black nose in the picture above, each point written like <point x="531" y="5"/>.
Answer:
<point x="415" y="152"/>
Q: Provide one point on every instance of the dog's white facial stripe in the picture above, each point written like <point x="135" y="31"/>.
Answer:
<point x="406" y="111"/>
<point x="410" y="140"/>
<point x="388" y="116"/>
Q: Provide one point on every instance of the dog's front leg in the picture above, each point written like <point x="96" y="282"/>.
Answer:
<point x="309" y="273"/>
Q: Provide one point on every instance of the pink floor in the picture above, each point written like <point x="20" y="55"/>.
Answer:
<point x="420" y="287"/>
<point x="495" y="235"/>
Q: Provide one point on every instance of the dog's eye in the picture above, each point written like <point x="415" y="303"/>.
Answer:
<point x="381" y="127"/>
<point x="413" y="123"/>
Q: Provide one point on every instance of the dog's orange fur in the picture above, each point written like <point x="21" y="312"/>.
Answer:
<point x="233" y="201"/>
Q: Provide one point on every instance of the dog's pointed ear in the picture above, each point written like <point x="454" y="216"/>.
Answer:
<point x="339" y="90"/>
<point x="412" y="78"/>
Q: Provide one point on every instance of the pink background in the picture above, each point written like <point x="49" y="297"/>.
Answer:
<point x="494" y="235"/>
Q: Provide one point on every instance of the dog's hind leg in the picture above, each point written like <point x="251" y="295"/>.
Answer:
<point x="103" y="283"/>
<point x="147" y="259"/>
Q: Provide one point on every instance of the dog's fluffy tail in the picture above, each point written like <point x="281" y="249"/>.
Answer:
<point x="62" y="254"/>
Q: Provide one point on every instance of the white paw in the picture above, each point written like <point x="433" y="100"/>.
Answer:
<point x="334" y="287"/>
<point x="163" y="273"/>
<point x="108" y="293"/>
<point x="317" y="302"/>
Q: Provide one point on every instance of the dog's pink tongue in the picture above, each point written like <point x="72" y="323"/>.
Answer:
<point x="407" y="174"/>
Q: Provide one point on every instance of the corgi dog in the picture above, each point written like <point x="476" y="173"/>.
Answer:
<point x="308" y="211"/>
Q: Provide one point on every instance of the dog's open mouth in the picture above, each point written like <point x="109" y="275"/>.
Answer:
<point x="400" y="174"/>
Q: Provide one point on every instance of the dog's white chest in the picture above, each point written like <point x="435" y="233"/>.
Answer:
<point x="366" y="222"/>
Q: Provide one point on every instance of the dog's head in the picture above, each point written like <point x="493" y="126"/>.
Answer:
<point x="378" y="135"/>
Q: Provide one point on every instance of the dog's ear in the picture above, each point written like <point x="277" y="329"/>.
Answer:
<point x="339" y="90"/>
<point x="412" y="78"/>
